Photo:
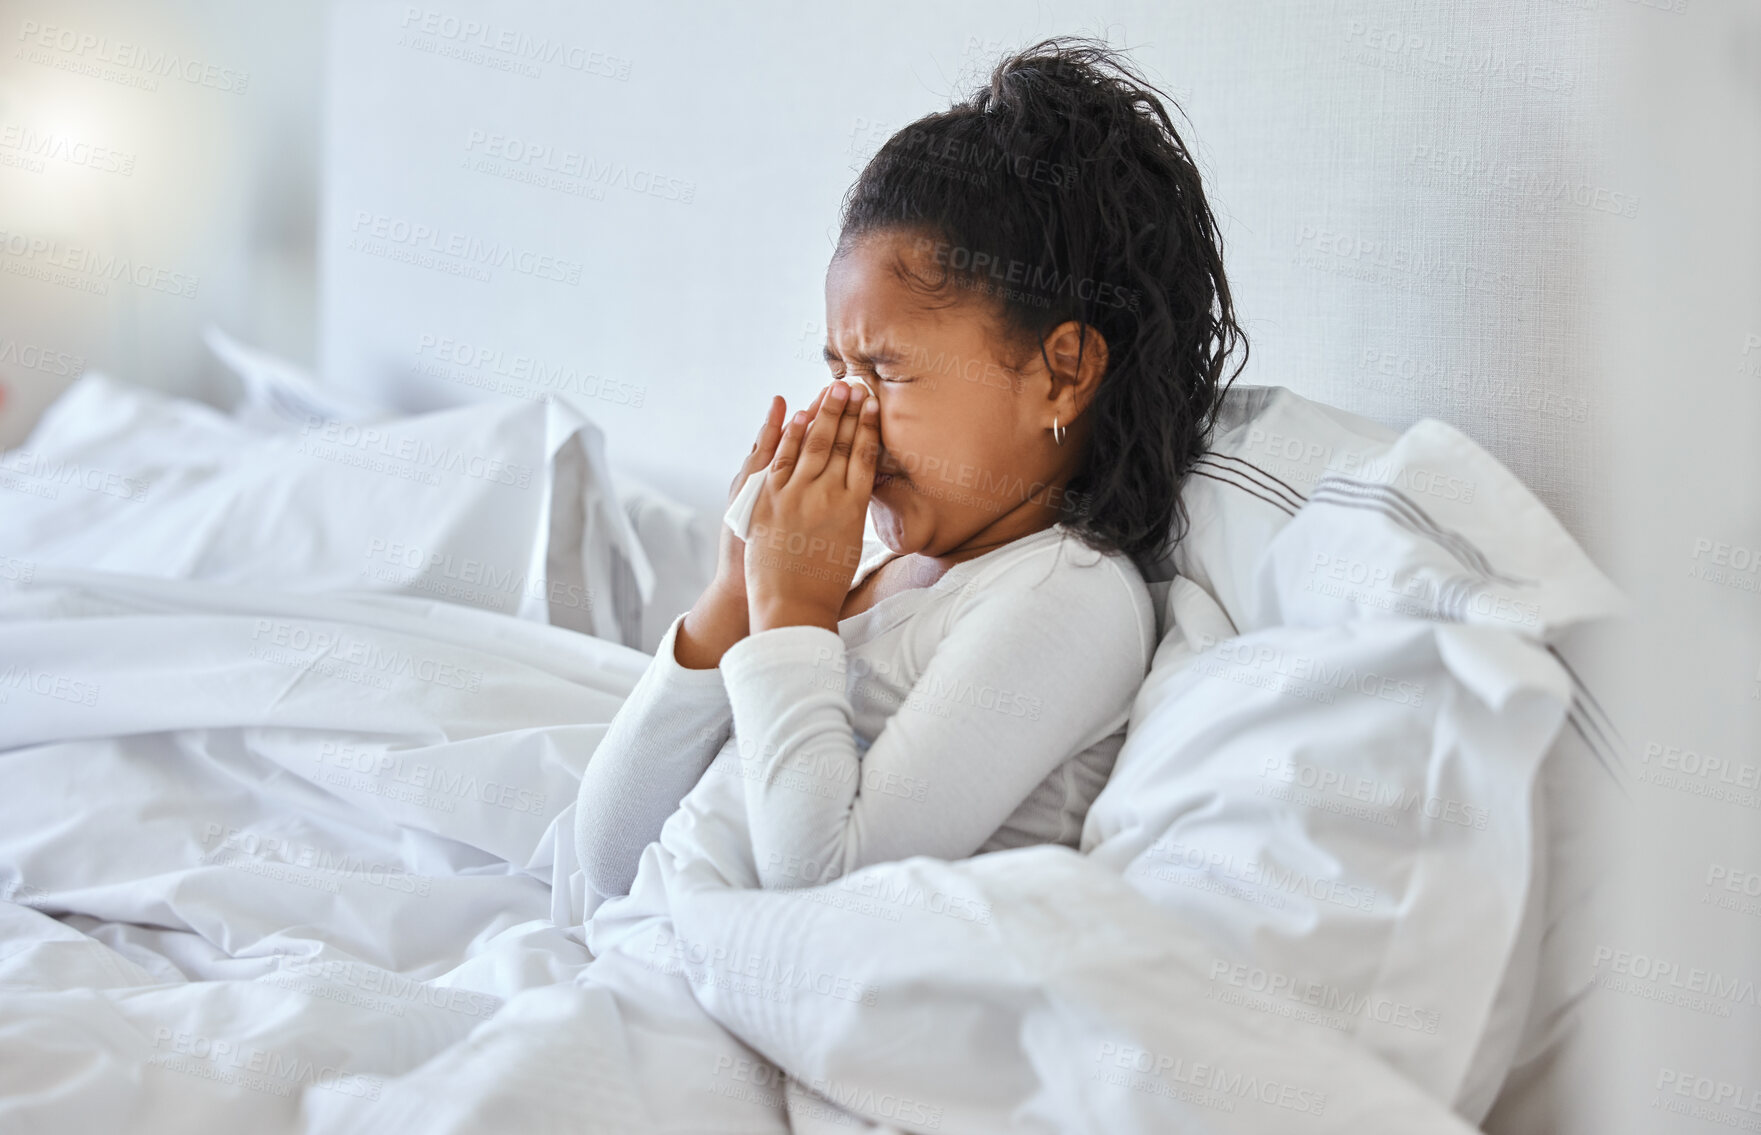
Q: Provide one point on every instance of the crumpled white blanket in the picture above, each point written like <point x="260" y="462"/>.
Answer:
<point x="268" y="854"/>
<point x="272" y="868"/>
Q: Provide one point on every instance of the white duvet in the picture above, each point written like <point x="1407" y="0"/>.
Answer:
<point x="284" y="861"/>
<point x="250" y="894"/>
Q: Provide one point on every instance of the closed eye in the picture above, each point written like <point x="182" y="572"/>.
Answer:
<point x="895" y="379"/>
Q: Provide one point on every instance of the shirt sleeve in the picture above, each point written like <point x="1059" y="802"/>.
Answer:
<point x="1025" y="678"/>
<point x="655" y="751"/>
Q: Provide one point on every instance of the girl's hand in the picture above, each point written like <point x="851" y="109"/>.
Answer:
<point x="718" y="619"/>
<point x="730" y="572"/>
<point x="805" y="541"/>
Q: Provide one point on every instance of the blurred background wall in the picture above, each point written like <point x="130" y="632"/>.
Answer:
<point x="158" y="171"/>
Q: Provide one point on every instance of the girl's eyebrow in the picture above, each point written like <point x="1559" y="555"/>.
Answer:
<point x="884" y="356"/>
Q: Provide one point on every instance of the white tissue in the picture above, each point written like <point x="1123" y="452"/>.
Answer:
<point x="739" y="514"/>
<point x="738" y="518"/>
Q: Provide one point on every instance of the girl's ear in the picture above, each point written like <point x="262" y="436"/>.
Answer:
<point x="1078" y="353"/>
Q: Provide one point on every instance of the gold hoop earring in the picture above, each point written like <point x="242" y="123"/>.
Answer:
<point x="1058" y="434"/>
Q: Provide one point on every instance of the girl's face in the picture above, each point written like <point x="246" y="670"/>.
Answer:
<point x="967" y="455"/>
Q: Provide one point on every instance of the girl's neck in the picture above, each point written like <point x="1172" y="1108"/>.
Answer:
<point x="1023" y="520"/>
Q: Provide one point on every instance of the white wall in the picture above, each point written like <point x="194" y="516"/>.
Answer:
<point x="1382" y="208"/>
<point x="1680" y="370"/>
<point x="173" y="142"/>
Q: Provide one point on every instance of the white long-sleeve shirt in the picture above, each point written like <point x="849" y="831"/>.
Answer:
<point x="981" y="713"/>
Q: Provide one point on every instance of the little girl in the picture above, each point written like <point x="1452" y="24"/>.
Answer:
<point x="1030" y="289"/>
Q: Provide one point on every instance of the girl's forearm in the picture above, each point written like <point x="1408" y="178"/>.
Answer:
<point x="715" y="622"/>
<point x="654" y="752"/>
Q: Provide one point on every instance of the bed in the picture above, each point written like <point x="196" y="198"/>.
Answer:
<point x="296" y="706"/>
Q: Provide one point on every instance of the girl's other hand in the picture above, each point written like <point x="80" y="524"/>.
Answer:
<point x="718" y="619"/>
<point x="730" y="570"/>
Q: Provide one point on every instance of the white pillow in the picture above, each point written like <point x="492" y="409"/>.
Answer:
<point x="1404" y="531"/>
<point x="1274" y="450"/>
<point x="1267" y="451"/>
<point x="503" y="507"/>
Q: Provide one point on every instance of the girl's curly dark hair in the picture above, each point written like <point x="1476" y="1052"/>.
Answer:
<point x="1063" y="191"/>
